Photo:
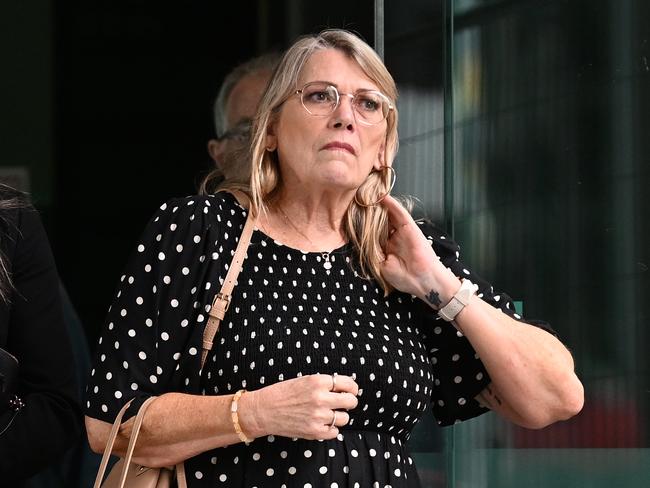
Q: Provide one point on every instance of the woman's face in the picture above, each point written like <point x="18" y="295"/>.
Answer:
<point x="333" y="152"/>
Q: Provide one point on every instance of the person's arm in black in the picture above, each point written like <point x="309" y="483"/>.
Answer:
<point x="51" y="419"/>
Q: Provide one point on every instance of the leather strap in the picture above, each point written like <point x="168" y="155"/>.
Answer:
<point x="181" y="480"/>
<point x="222" y="299"/>
<point x="109" y="445"/>
<point x="458" y="301"/>
<point x="217" y="313"/>
<point x="137" y="425"/>
<point x="134" y="438"/>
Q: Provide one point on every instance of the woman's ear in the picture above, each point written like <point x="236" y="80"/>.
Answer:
<point x="271" y="139"/>
<point x="380" y="162"/>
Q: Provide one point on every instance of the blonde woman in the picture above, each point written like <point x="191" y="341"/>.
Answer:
<point x="338" y="335"/>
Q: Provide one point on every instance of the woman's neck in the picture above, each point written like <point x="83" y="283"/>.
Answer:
<point x="305" y="222"/>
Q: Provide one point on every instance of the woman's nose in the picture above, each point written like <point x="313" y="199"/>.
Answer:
<point x="344" y="115"/>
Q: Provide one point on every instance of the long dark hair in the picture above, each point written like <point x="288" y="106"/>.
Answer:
<point x="10" y="199"/>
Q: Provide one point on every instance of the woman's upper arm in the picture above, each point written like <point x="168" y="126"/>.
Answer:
<point x="152" y="333"/>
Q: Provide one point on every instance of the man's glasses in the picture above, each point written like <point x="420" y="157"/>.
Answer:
<point x="239" y="133"/>
<point x="321" y="99"/>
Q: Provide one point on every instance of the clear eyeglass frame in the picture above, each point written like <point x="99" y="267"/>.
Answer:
<point x="325" y="108"/>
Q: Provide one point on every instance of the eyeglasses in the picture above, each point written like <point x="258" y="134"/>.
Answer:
<point x="239" y="133"/>
<point x="321" y="99"/>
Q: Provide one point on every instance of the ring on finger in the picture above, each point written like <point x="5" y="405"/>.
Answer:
<point x="333" y="420"/>
<point x="333" y="381"/>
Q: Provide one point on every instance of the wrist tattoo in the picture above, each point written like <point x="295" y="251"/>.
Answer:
<point x="433" y="298"/>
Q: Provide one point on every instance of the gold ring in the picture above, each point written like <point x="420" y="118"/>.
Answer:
<point x="333" y="420"/>
<point x="333" y="381"/>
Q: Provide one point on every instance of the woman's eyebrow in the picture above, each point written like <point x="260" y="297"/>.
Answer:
<point x="335" y="85"/>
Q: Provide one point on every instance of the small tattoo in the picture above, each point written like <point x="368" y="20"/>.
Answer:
<point x="433" y="298"/>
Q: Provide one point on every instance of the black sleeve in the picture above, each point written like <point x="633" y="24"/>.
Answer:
<point x="151" y="340"/>
<point x="51" y="419"/>
<point x="459" y="373"/>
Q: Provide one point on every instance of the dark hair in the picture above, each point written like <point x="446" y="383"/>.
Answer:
<point x="10" y="199"/>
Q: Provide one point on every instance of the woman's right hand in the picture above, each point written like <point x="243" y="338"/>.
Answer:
<point x="301" y="407"/>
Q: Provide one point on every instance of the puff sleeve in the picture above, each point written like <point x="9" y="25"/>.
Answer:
<point x="151" y="340"/>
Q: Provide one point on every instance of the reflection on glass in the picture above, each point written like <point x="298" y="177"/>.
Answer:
<point x="413" y="40"/>
<point x="551" y="111"/>
<point x="550" y="170"/>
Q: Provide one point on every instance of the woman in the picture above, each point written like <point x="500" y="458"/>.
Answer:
<point x="333" y="327"/>
<point x="40" y="416"/>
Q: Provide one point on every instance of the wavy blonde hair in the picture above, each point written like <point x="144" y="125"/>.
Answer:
<point x="365" y="227"/>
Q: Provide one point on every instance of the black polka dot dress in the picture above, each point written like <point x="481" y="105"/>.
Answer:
<point x="292" y="314"/>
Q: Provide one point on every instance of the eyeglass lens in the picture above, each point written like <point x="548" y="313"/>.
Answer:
<point x="240" y="132"/>
<point x="322" y="99"/>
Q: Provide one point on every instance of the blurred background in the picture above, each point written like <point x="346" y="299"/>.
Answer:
<point x="524" y="129"/>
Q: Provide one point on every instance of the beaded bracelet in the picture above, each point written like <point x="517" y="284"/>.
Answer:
<point x="235" y="417"/>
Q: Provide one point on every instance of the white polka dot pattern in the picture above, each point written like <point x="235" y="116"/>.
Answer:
<point x="289" y="317"/>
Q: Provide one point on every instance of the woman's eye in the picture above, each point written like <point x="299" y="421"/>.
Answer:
<point x="319" y="97"/>
<point x="368" y="104"/>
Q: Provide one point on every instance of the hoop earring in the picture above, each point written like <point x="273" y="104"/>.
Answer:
<point x="392" y="184"/>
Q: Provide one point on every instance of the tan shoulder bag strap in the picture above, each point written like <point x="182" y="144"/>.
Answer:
<point x="139" y="418"/>
<point x="109" y="445"/>
<point x="126" y="460"/>
<point x="221" y="300"/>
<point x="217" y="312"/>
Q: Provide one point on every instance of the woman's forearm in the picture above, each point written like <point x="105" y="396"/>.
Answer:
<point x="176" y="427"/>
<point x="532" y="372"/>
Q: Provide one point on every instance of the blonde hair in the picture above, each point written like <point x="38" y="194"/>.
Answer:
<point x="365" y="227"/>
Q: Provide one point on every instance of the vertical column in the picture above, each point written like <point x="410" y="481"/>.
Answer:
<point x="379" y="27"/>
<point x="448" y="174"/>
<point x="448" y="66"/>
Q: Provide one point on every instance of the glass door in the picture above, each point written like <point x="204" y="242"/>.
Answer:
<point x="524" y="129"/>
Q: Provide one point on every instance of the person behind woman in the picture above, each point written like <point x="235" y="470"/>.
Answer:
<point x="233" y="112"/>
<point x="333" y="345"/>
<point x="41" y="417"/>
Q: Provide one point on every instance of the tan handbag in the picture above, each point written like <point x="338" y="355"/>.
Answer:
<point x="127" y="474"/>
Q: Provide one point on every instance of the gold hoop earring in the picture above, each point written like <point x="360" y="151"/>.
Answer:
<point x="392" y="184"/>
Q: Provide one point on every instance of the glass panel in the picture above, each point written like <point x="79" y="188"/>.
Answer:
<point x="414" y="55"/>
<point x="552" y="112"/>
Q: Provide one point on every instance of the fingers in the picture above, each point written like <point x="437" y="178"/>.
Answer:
<point x="342" y="383"/>
<point x="304" y="406"/>
<point x="330" y="428"/>
<point x="397" y="214"/>
<point x="340" y="418"/>
<point x="344" y="394"/>
<point x="346" y="401"/>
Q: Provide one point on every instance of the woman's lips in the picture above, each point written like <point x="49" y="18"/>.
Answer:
<point x="340" y="145"/>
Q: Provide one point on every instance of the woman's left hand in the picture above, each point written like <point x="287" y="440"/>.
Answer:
<point x="411" y="265"/>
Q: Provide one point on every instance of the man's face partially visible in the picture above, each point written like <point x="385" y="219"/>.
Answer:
<point x="245" y="97"/>
<point x="230" y="151"/>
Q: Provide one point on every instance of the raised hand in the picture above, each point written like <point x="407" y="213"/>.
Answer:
<point x="411" y="264"/>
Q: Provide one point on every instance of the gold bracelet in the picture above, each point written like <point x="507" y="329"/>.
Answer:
<point x="235" y="417"/>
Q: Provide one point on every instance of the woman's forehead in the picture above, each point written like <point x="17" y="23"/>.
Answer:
<point x="337" y="68"/>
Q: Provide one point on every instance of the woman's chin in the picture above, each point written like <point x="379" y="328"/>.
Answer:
<point x="342" y="176"/>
